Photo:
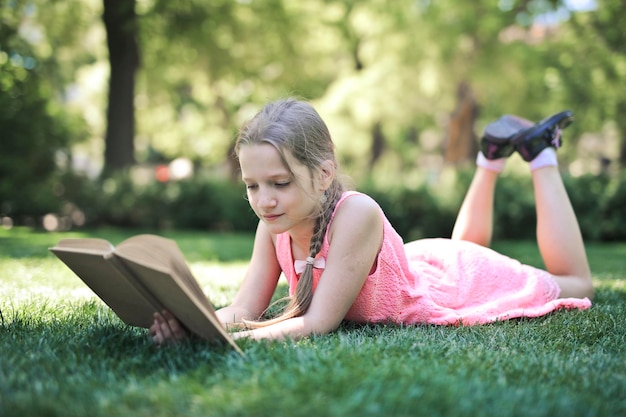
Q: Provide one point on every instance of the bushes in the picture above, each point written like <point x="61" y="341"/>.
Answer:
<point x="415" y="213"/>
<point x="213" y="205"/>
<point x="600" y="204"/>
<point x="598" y="201"/>
<point x="189" y="204"/>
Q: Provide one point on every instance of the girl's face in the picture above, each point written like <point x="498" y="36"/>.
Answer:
<point x="282" y="200"/>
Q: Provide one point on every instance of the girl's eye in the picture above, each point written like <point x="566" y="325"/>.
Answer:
<point x="276" y="185"/>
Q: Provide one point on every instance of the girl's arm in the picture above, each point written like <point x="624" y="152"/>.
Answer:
<point x="259" y="283"/>
<point x="355" y="239"/>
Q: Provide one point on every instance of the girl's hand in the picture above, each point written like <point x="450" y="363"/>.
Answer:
<point x="166" y="329"/>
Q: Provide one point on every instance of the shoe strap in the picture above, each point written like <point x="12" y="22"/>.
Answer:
<point x="556" y="138"/>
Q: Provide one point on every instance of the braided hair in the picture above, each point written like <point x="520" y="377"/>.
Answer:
<point x="294" y="126"/>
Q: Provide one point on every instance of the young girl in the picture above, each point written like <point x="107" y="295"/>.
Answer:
<point x="344" y="261"/>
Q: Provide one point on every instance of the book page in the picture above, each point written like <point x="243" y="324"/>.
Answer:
<point x="85" y="245"/>
<point x="182" y="303"/>
<point x="164" y="254"/>
<point x="160" y="265"/>
<point x="90" y="260"/>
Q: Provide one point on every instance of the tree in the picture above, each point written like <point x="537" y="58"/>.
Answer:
<point x="120" y="21"/>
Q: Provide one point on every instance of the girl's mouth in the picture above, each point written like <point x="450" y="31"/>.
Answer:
<point x="271" y="217"/>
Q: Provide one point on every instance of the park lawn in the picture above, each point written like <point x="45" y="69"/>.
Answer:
<point x="62" y="353"/>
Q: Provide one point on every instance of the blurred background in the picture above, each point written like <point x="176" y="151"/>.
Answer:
<point x="124" y="112"/>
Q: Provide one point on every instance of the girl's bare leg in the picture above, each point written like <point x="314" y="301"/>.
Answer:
<point x="474" y="222"/>
<point x="558" y="235"/>
<point x="475" y="219"/>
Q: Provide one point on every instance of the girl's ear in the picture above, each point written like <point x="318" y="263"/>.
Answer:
<point x="327" y="174"/>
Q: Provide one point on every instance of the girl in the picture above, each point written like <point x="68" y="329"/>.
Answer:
<point x="344" y="261"/>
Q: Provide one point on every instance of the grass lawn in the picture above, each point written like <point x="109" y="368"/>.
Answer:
<point x="62" y="353"/>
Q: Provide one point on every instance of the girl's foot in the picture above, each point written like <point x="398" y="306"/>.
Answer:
<point x="496" y="142"/>
<point x="496" y="145"/>
<point x="547" y="133"/>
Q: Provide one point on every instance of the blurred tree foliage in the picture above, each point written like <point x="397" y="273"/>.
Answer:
<point x="596" y="63"/>
<point x="384" y="75"/>
<point x="36" y="130"/>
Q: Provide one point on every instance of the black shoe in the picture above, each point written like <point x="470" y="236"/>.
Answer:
<point x="547" y="132"/>
<point x="496" y="141"/>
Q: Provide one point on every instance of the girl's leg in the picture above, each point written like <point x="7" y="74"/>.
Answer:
<point x="475" y="219"/>
<point x="558" y="235"/>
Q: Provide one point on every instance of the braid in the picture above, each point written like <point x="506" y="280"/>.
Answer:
<point x="304" y="290"/>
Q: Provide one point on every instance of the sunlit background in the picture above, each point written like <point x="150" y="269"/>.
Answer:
<point x="406" y="88"/>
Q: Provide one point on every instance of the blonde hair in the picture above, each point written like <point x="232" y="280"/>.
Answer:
<point x="294" y="126"/>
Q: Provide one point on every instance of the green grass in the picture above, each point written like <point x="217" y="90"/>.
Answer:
<point x="62" y="353"/>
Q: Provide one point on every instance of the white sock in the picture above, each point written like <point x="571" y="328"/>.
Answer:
<point x="547" y="157"/>
<point x="496" y="165"/>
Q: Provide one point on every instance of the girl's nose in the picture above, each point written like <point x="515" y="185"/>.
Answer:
<point x="267" y="199"/>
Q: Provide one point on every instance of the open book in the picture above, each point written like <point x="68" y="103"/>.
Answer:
<point x="142" y="275"/>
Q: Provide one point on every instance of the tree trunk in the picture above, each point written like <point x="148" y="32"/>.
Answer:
<point x="378" y="144"/>
<point x="120" y="21"/>
<point x="461" y="143"/>
<point x="621" y="128"/>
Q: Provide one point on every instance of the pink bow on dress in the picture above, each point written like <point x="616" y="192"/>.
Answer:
<point x="319" y="263"/>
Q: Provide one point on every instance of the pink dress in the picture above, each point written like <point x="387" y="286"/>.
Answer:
<point x="441" y="281"/>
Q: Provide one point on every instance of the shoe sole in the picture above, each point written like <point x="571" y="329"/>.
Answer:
<point x="533" y="140"/>
<point x="496" y="141"/>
